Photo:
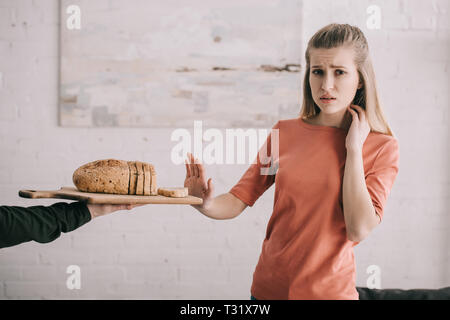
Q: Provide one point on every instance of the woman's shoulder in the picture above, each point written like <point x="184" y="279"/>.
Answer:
<point x="287" y="122"/>
<point x="381" y="141"/>
<point x="382" y="138"/>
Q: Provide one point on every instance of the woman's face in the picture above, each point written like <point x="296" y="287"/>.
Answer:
<point x="333" y="73"/>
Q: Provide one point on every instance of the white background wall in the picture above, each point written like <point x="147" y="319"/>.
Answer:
<point x="172" y="252"/>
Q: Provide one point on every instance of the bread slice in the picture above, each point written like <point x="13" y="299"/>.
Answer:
<point x="140" y="179"/>
<point x="150" y="166"/>
<point x="173" y="192"/>
<point x="129" y="176"/>
<point x="103" y="176"/>
<point x="133" y="177"/>
<point x="153" y="185"/>
<point x="143" y="174"/>
<point x="147" y="180"/>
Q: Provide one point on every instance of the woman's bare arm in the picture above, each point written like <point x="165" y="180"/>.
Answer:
<point x="224" y="206"/>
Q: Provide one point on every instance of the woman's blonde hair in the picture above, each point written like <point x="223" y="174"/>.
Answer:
<point x="336" y="35"/>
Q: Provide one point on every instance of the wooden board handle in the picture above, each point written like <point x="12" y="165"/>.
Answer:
<point x="33" y="194"/>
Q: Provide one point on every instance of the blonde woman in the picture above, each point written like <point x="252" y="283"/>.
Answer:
<point x="336" y="162"/>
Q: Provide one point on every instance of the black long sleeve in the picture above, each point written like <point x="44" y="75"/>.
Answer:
<point x="40" y="223"/>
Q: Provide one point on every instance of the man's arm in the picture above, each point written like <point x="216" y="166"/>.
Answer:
<point x="40" y="223"/>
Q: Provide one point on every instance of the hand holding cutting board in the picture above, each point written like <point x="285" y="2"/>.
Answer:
<point x="98" y="210"/>
<point x="102" y="187"/>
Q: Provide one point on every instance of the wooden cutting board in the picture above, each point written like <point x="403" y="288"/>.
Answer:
<point x="72" y="193"/>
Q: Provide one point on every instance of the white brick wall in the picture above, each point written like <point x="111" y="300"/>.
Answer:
<point x="162" y="252"/>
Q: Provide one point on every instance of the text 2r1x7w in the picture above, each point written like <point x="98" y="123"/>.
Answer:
<point x="229" y="309"/>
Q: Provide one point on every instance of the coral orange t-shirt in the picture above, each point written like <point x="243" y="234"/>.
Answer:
<point x="306" y="253"/>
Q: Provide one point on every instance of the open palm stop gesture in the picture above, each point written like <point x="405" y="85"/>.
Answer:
<point x="196" y="182"/>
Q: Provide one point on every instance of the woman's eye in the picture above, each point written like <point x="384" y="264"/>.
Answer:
<point x="340" y="72"/>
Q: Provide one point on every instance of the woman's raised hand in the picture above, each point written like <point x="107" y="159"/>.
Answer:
<point x="196" y="182"/>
